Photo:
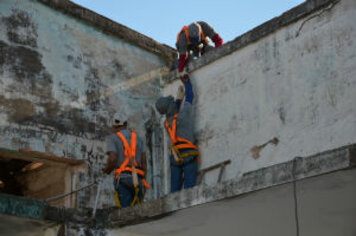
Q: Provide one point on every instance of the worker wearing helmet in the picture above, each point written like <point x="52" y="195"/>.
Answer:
<point x="192" y="41"/>
<point x="180" y="127"/>
<point x="128" y="160"/>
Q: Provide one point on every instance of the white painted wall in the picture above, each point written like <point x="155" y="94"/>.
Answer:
<point x="300" y="89"/>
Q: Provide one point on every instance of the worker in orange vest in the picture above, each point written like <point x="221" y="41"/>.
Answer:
<point x="180" y="127"/>
<point x="192" y="41"/>
<point x="128" y="160"/>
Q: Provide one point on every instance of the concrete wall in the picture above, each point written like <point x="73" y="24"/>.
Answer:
<point x="297" y="84"/>
<point x="315" y="196"/>
<point x="323" y="205"/>
<point x="60" y="81"/>
<point x="12" y="225"/>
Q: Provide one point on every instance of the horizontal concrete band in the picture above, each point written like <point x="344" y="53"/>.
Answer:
<point x="296" y="169"/>
<point x="271" y="26"/>
<point x="21" y="206"/>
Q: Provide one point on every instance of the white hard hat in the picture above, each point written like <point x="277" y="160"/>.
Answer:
<point x="118" y="119"/>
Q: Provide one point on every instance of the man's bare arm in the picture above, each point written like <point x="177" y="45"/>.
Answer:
<point x="111" y="163"/>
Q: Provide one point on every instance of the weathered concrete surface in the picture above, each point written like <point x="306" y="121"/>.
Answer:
<point x="267" y="212"/>
<point x="12" y="225"/>
<point x="297" y="169"/>
<point x="300" y="168"/>
<point x="61" y="79"/>
<point x="20" y="206"/>
<point x="302" y="11"/>
<point x="292" y="78"/>
<point x="114" y="28"/>
<point x="326" y="206"/>
<point x="24" y="216"/>
<point x="340" y="161"/>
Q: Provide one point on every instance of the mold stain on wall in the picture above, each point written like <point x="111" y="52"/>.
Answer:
<point x="54" y="74"/>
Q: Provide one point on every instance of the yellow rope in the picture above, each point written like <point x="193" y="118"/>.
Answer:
<point x="182" y="156"/>
<point x="135" y="200"/>
<point x="117" y="200"/>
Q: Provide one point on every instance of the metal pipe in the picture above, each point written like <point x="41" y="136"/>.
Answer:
<point x="67" y="194"/>
<point x="96" y="200"/>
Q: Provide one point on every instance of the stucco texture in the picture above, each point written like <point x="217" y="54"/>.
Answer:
<point x="62" y="79"/>
<point x="297" y="85"/>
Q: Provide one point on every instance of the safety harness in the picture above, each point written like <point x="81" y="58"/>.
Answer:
<point x="179" y="144"/>
<point x="186" y="31"/>
<point x="130" y="156"/>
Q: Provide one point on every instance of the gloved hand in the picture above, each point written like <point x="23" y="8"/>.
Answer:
<point x="180" y="93"/>
<point x="183" y="75"/>
<point x="218" y="41"/>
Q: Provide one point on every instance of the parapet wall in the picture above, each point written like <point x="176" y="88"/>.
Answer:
<point x="292" y="78"/>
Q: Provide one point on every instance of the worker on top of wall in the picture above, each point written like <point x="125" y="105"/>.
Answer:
<point x="192" y="41"/>
<point x="179" y="124"/>
<point x="127" y="157"/>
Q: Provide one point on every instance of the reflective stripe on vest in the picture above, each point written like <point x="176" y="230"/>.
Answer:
<point x="185" y="29"/>
<point x="179" y="143"/>
<point x="130" y="153"/>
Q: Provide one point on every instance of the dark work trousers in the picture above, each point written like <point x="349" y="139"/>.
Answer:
<point x="184" y="173"/>
<point x="126" y="190"/>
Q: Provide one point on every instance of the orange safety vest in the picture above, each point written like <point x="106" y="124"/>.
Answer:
<point x="185" y="29"/>
<point x="178" y="143"/>
<point x="130" y="153"/>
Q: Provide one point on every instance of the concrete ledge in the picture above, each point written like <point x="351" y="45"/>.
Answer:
<point x="112" y="27"/>
<point x="21" y="206"/>
<point x="61" y="214"/>
<point x="291" y="16"/>
<point x="297" y="169"/>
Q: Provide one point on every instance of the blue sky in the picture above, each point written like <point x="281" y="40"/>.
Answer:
<point x="162" y="19"/>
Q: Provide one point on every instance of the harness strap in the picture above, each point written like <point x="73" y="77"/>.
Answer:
<point x="138" y="171"/>
<point x="179" y="143"/>
<point x="117" y="200"/>
<point x="202" y="36"/>
<point x="130" y="154"/>
<point x="130" y="151"/>
<point x="135" y="200"/>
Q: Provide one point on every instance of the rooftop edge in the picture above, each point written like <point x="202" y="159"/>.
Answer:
<point x="257" y="33"/>
<point x="296" y="169"/>
<point x="112" y="27"/>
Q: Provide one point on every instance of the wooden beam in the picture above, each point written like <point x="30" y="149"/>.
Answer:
<point x="34" y="156"/>
<point x="51" y="157"/>
<point x="210" y="168"/>
<point x="220" y="165"/>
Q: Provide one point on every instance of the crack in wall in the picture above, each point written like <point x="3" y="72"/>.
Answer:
<point x="320" y="13"/>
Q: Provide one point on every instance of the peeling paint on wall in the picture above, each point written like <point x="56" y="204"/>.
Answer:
<point x="59" y="82"/>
